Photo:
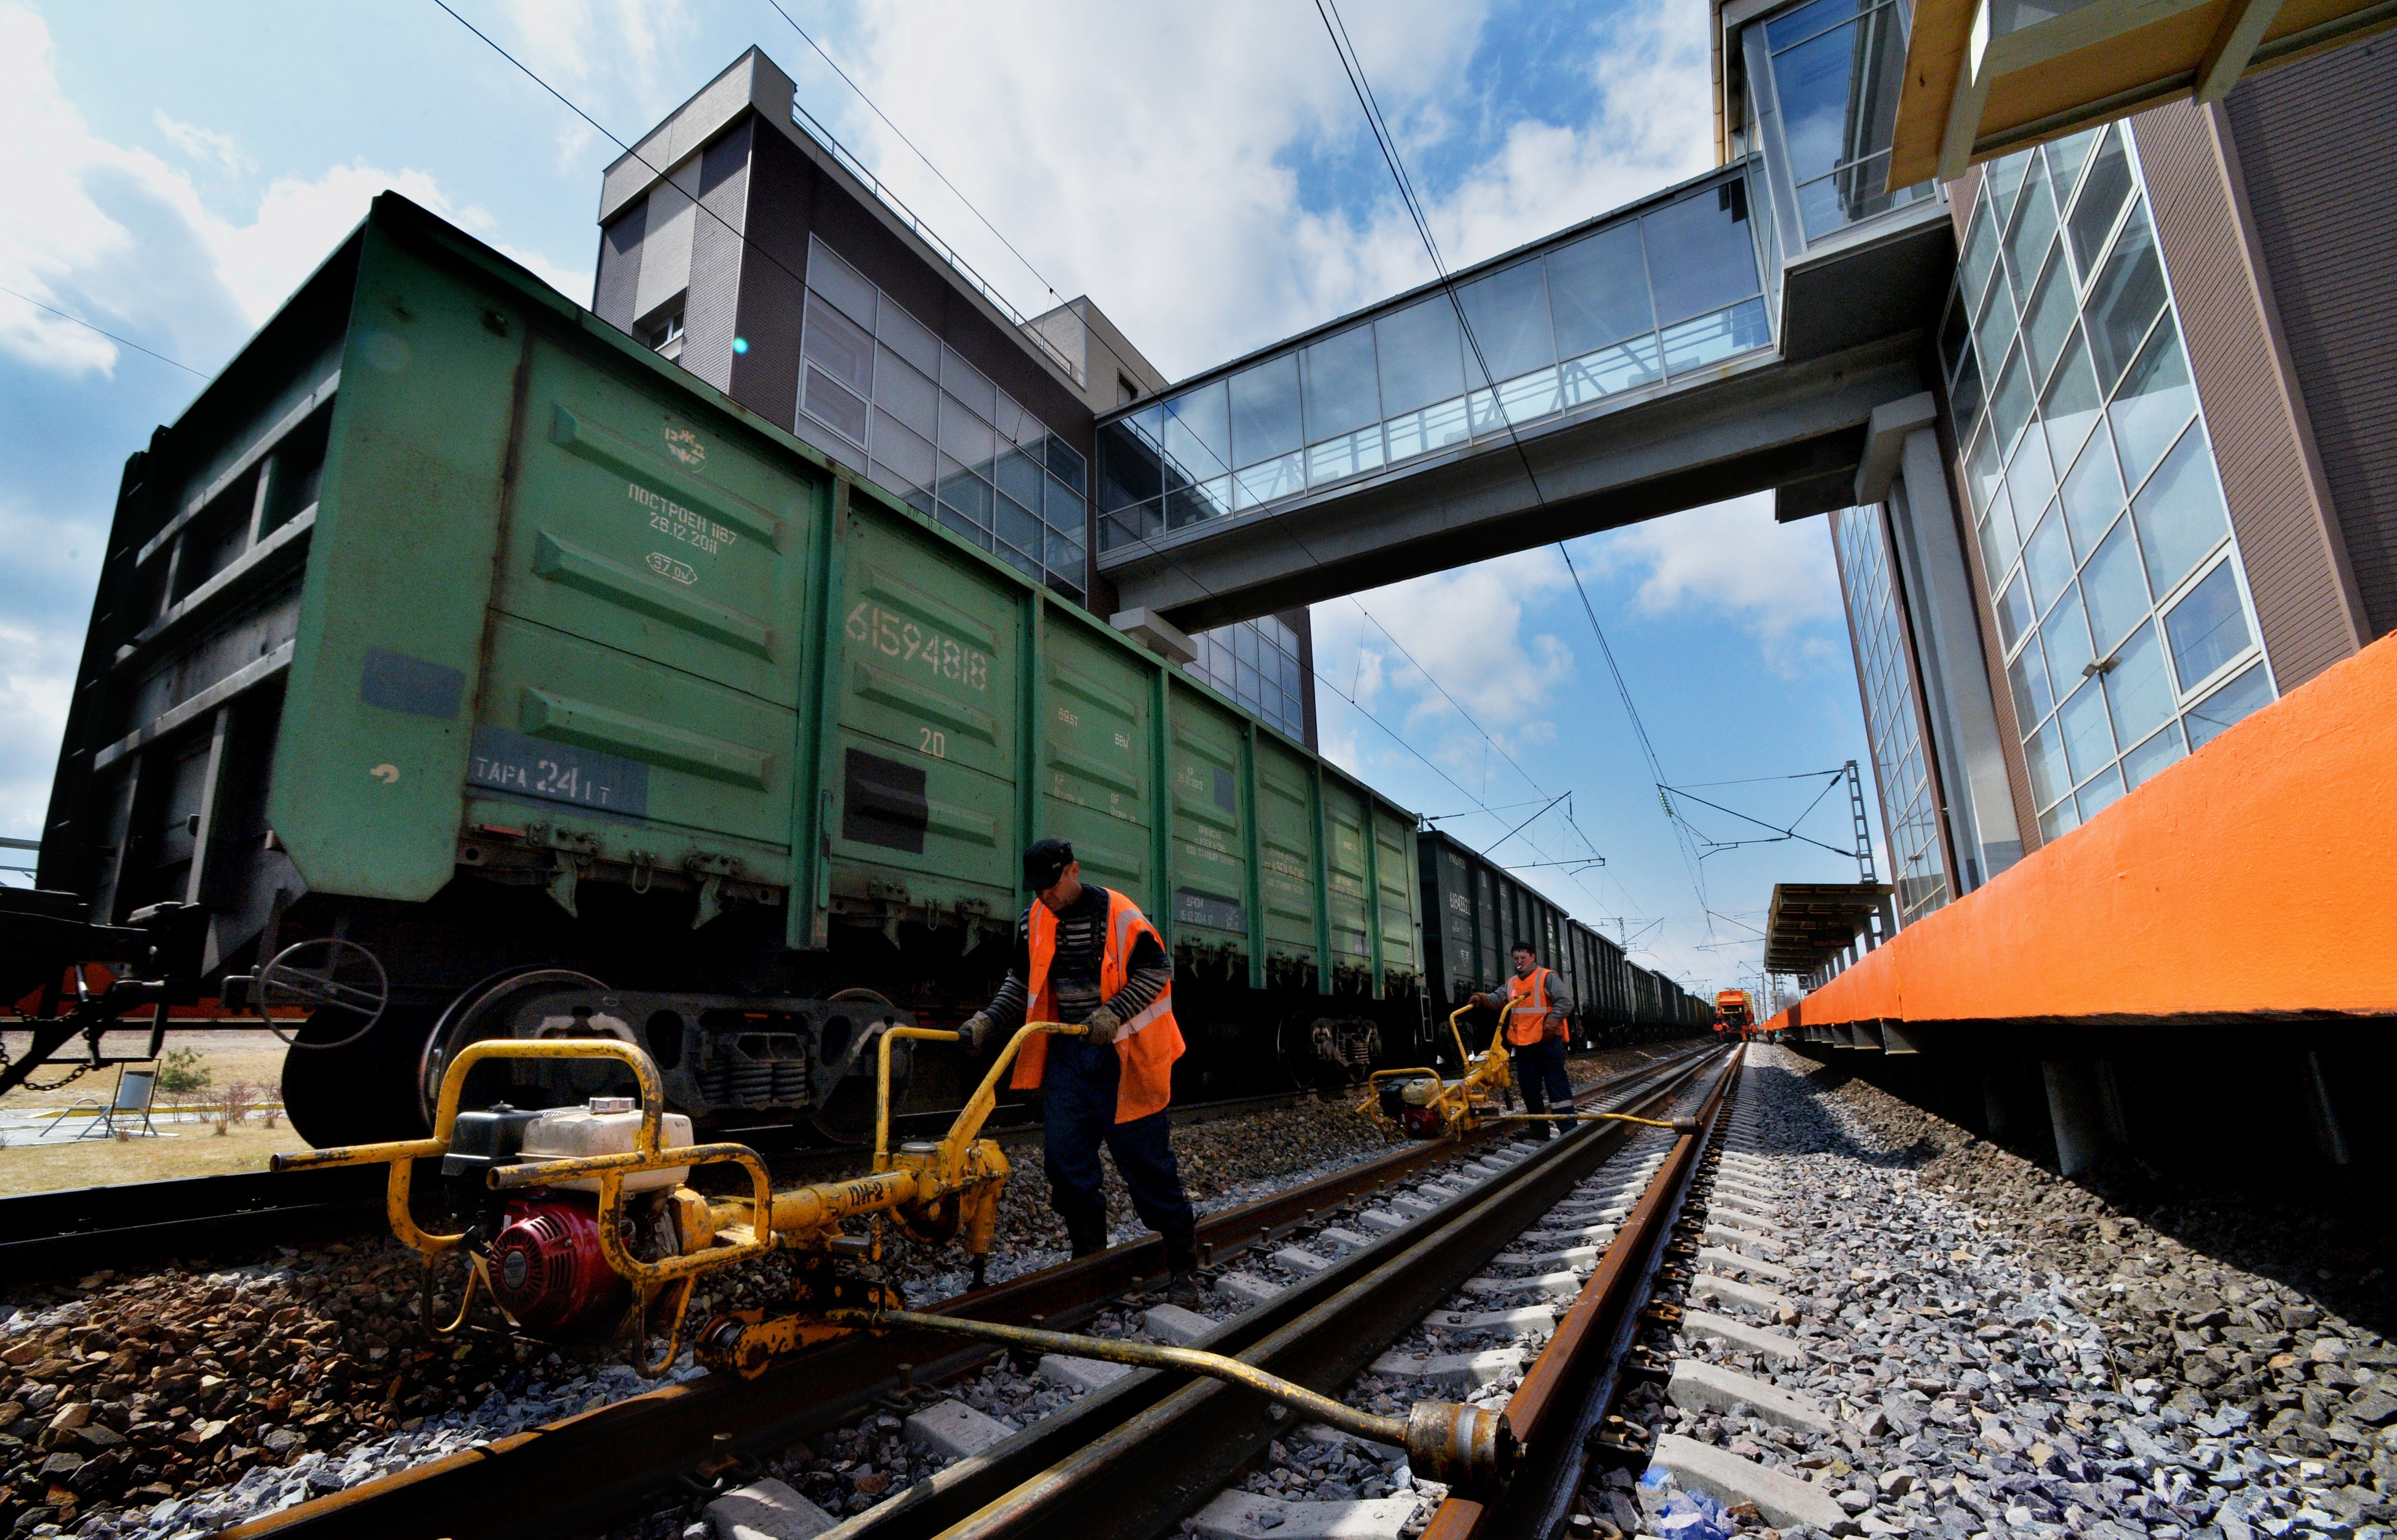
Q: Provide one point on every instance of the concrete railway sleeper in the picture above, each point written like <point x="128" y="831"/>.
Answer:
<point x="621" y="1456"/>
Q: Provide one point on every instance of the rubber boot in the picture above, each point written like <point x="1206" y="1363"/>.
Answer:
<point x="1182" y="1264"/>
<point x="1086" y="1236"/>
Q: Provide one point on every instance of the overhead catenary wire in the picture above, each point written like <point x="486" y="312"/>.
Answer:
<point x="112" y="337"/>
<point x="996" y="233"/>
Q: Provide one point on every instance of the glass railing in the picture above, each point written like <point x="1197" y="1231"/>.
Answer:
<point x="1644" y="296"/>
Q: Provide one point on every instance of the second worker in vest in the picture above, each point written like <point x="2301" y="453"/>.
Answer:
<point x="1087" y="957"/>
<point x="1535" y="1006"/>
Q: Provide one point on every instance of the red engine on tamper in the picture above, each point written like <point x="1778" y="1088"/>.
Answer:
<point x="547" y="1269"/>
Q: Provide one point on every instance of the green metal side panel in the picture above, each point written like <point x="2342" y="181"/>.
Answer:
<point x="1350" y="877"/>
<point x="649" y="592"/>
<point x="928" y="748"/>
<point x="1209" y="873"/>
<point x="365" y="796"/>
<point x="1394" y="871"/>
<point x="1288" y="880"/>
<point x="1097" y="757"/>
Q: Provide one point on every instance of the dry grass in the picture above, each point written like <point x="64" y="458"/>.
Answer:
<point x="230" y="1053"/>
<point x="197" y="1149"/>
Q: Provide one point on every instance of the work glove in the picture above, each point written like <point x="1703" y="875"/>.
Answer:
<point x="1480" y="1001"/>
<point x="1103" y="1025"/>
<point x="976" y="1030"/>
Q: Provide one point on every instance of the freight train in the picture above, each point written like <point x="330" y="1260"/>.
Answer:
<point x="463" y="669"/>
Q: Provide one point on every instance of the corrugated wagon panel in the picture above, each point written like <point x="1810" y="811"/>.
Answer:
<point x="1287" y="878"/>
<point x="1209" y="873"/>
<point x="1096" y="759"/>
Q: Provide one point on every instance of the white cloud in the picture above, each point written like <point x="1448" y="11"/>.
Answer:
<point x="204" y="144"/>
<point x="1776" y="580"/>
<point x="618" y="45"/>
<point x="1152" y="155"/>
<point x="115" y="235"/>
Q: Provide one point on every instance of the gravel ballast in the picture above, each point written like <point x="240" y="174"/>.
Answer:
<point x="2003" y="1354"/>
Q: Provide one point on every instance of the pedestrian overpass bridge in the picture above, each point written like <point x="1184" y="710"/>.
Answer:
<point x="1663" y="356"/>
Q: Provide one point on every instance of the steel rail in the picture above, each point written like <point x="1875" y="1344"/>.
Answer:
<point x="587" y="1472"/>
<point x="1136" y="1458"/>
<point x="1567" y="1388"/>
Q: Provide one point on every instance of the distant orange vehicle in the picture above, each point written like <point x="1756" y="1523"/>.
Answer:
<point x="1731" y="1011"/>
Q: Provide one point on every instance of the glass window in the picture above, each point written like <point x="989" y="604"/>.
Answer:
<point x="1065" y="462"/>
<point x="1197" y="432"/>
<point x="2092" y="494"/>
<point x="906" y="394"/>
<point x="2226" y="705"/>
<point x="1019" y="478"/>
<point x="1608" y="370"/>
<point x="1955" y="336"/>
<point x="1014" y="424"/>
<point x="965" y="438"/>
<point x="1062" y="506"/>
<point x="2031" y="478"/>
<point x="1265" y="411"/>
<point x="2002" y="178"/>
<point x="1837" y="92"/>
<point x="1420" y="358"/>
<point x="2009" y="402"/>
<point x="2141" y="764"/>
<point x="2102" y="195"/>
<point x="2047" y="559"/>
<point x="1966" y="395"/>
<point x="1597" y="290"/>
<point x="2124" y="300"/>
<point x="966" y="492"/>
<point x="2101" y="793"/>
<point x="2027" y="677"/>
<point x="907" y="337"/>
<point x="1980" y="254"/>
<point x="2208" y="628"/>
<point x="1271" y="480"/>
<point x="2137" y="688"/>
<point x="2069" y="409"/>
<point x="832" y="404"/>
<point x="1506" y="315"/>
<point x="2154" y="401"/>
<point x="2064" y="160"/>
<point x="2180" y="511"/>
<point x="2064" y="637"/>
<point x="968" y="384"/>
<point x="1064" y="555"/>
<point x="1346" y="455"/>
<point x="2035" y="226"/>
<point x="840" y="283"/>
<point x="1997" y="323"/>
<point x="2044" y="756"/>
<point x="2117" y="596"/>
<point x="1192" y="503"/>
<point x="2058" y="821"/>
<point x="1981" y="472"/>
<point x="2014" y="612"/>
<point x="1019" y="526"/>
<point x="2088" y="738"/>
<point x="903" y="451"/>
<point x="2000" y="545"/>
<point x="1797" y="26"/>
<point x="1699" y="256"/>
<point x="1130" y="470"/>
<point x="1695" y="344"/>
<point x="1341" y="393"/>
<point x="840" y="346"/>
<point x="953" y="519"/>
<point x="2048" y="317"/>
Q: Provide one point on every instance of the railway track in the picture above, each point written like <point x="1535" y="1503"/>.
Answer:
<point x="607" y="1467"/>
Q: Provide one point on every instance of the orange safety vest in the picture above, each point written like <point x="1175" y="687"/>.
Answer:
<point x="1527" y="1009"/>
<point x="1148" y="1044"/>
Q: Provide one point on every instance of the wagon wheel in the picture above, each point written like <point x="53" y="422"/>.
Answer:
<point x="325" y="975"/>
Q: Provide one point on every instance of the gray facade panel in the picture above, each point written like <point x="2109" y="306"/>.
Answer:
<point x="620" y="268"/>
<point x="2315" y="144"/>
<point x="712" y="308"/>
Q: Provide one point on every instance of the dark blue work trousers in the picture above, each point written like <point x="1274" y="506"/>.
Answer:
<point x="1077" y="1110"/>
<point x="1541" y="1067"/>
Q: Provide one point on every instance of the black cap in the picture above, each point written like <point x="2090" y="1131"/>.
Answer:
<point x="1045" y="863"/>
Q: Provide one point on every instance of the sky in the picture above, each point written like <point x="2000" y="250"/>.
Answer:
<point x="1203" y="172"/>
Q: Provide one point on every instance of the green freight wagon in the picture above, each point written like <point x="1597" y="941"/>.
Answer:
<point x="457" y="649"/>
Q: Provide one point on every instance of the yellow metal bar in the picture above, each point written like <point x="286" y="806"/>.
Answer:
<point x="978" y="1108"/>
<point x="882" y="1085"/>
<point x="1680" y="1125"/>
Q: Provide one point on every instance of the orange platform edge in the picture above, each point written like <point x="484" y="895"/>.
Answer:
<point x="2256" y="877"/>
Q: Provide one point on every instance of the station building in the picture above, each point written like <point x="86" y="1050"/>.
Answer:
<point x="2150" y="482"/>
<point x="742" y="240"/>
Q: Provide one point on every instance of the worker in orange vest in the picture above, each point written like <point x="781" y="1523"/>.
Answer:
<point x="1087" y="957"/>
<point x="1536" y="1007"/>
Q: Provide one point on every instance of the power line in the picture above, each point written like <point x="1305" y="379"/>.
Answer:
<point x="110" y="335"/>
<point x="919" y="155"/>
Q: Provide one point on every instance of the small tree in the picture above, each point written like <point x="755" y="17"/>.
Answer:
<point x="180" y="1071"/>
<point x="233" y="1104"/>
